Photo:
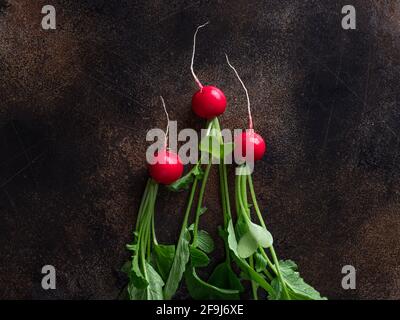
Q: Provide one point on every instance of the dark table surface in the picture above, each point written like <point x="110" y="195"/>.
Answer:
<point x="76" y="104"/>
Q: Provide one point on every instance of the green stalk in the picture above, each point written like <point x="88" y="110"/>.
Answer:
<point x="154" y="188"/>
<point x="238" y="187"/>
<point x="243" y="193"/>
<point x="254" y="199"/>
<point x="222" y="189"/>
<point x="272" y="250"/>
<point x="188" y="208"/>
<point x="237" y="202"/>
<point x="243" y="196"/>
<point x="223" y="181"/>
<point x="143" y="204"/>
<point x="228" y="205"/>
<point x="268" y="274"/>
<point x="224" y="209"/>
<point x="243" y="265"/>
<point x="202" y="190"/>
<point x="200" y="203"/>
<point x="253" y="284"/>
<point x="143" y="241"/>
<point x="278" y="269"/>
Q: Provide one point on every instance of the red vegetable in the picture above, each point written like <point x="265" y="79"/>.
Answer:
<point x="166" y="168"/>
<point x="209" y="101"/>
<point x="248" y="138"/>
<point x="251" y="140"/>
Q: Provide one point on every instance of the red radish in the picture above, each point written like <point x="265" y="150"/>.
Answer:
<point x="254" y="141"/>
<point x="166" y="166"/>
<point x="209" y="101"/>
<point x="249" y="138"/>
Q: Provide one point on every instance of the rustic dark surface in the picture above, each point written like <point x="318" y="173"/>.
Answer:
<point x="76" y="104"/>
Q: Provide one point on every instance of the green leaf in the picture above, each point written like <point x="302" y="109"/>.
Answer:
<point x="202" y="290"/>
<point x="164" y="257"/>
<point x="241" y="227"/>
<point x="255" y="236"/>
<point x="224" y="277"/>
<point x="132" y="247"/>
<point x="178" y="267"/>
<point x="153" y="291"/>
<point x="136" y="276"/>
<point x="211" y="145"/>
<point x="298" y="289"/>
<point x="243" y="265"/>
<point x="198" y="258"/>
<point x="261" y="262"/>
<point x="247" y="245"/>
<point x="261" y="235"/>
<point x="232" y="242"/>
<point x="205" y="242"/>
<point x="202" y="211"/>
<point x="278" y="294"/>
<point x="186" y="181"/>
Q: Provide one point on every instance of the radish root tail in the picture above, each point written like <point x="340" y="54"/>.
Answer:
<point x="193" y="54"/>
<point x="245" y="89"/>
<point x="167" y="129"/>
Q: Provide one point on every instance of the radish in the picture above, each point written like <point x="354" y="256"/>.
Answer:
<point x="166" y="166"/>
<point x="147" y="269"/>
<point x="209" y="101"/>
<point x="249" y="141"/>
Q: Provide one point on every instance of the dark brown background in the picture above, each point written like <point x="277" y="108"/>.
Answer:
<point x="76" y="104"/>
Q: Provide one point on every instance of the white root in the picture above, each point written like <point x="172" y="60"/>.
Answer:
<point x="193" y="53"/>
<point x="245" y="89"/>
<point x="166" y="113"/>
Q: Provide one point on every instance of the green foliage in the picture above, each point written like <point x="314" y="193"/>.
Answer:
<point x="201" y="290"/>
<point x="224" y="277"/>
<point x="186" y="181"/>
<point x="155" y="270"/>
<point x="260" y="262"/>
<point x="164" y="257"/>
<point x="256" y="236"/>
<point x="198" y="258"/>
<point x="182" y="255"/>
<point x="298" y="288"/>
<point x="152" y="291"/>
<point x="205" y="242"/>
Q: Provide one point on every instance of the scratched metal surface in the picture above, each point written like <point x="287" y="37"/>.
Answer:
<point x="76" y="104"/>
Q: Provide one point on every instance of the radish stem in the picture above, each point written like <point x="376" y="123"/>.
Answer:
<point x="272" y="250"/>
<point x="245" y="89"/>
<point x="253" y="284"/>
<point x="193" y="53"/>
<point x="167" y="129"/>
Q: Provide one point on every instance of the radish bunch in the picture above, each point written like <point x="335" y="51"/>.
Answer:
<point x="156" y="271"/>
<point x="148" y="267"/>
<point x="249" y="240"/>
